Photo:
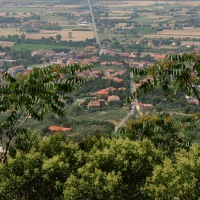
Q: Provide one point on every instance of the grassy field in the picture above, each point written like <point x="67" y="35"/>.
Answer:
<point x="31" y="47"/>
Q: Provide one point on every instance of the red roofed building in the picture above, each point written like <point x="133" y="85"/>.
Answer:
<point x="2" y="54"/>
<point x="122" y="88"/>
<point x="117" y="64"/>
<point x="14" y="70"/>
<point x="101" y="93"/>
<point x="38" y="52"/>
<point x="113" y="98"/>
<point x="138" y="85"/>
<point x="125" y="55"/>
<point x="85" y="62"/>
<point x="158" y="56"/>
<point x="62" y="60"/>
<point x="133" y="54"/>
<point x="59" y="128"/>
<point x="140" y="106"/>
<point x="118" y="80"/>
<point x="70" y="62"/>
<point x="111" y="89"/>
<point x="93" y="104"/>
<point x="108" y="72"/>
<point x="90" y="48"/>
<point x="120" y="72"/>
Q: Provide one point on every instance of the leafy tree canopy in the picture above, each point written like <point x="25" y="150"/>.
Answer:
<point x="42" y="91"/>
<point x="55" y="168"/>
<point x="176" y="73"/>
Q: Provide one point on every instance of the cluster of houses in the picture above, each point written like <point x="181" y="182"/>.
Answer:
<point x="103" y="96"/>
<point x="192" y="100"/>
<point x="90" y="55"/>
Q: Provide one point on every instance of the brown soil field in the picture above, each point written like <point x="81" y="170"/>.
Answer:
<point x="122" y="12"/>
<point x="68" y="6"/>
<point x="9" y="31"/>
<point x="117" y="17"/>
<point x="6" y="44"/>
<point x="136" y="3"/>
<point x="76" y="35"/>
<point x="191" y="3"/>
<point x="185" y="32"/>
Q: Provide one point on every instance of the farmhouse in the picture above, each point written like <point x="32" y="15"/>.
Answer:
<point x="62" y="61"/>
<point x="141" y="107"/>
<point x="158" y="56"/>
<point x="102" y="93"/>
<point x="38" y="52"/>
<point x="113" y="98"/>
<point x="14" y="70"/>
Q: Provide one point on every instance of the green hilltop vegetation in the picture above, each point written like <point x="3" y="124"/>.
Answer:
<point x="59" y="135"/>
<point x="151" y="157"/>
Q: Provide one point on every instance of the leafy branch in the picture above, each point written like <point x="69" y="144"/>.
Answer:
<point x="42" y="91"/>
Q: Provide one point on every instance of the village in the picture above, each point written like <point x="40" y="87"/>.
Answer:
<point x="133" y="38"/>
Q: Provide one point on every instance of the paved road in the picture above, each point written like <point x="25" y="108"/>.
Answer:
<point x="94" y="25"/>
<point x="133" y="104"/>
<point x="132" y="83"/>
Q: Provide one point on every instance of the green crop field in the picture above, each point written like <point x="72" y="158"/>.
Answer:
<point x="31" y="47"/>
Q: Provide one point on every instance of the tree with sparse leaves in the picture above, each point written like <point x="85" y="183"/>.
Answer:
<point x="174" y="74"/>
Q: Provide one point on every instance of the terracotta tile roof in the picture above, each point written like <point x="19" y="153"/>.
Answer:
<point x="16" y="67"/>
<point x="139" y="104"/>
<point x="109" y="70"/>
<point x="120" y="72"/>
<point x="124" y="54"/>
<point x="158" y="56"/>
<point x="93" y="104"/>
<point x="113" y="98"/>
<point x="85" y="61"/>
<point x="138" y="84"/>
<point x="102" y="92"/>
<point x="2" y="53"/>
<point x="104" y="63"/>
<point x="59" y="128"/>
<point x="111" y="89"/>
<point x="119" y="80"/>
<point x="122" y="88"/>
